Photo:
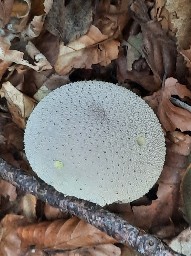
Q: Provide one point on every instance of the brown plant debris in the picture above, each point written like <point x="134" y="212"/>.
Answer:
<point x="172" y="105"/>
<point x="158" y="48"/>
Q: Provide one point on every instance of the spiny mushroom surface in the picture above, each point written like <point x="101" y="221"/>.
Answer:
<point x="96" y="141"/>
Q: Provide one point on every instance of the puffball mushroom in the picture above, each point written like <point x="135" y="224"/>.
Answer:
<point x="96" y="141"/>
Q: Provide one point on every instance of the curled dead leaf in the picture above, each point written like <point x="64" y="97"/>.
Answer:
<point x="20" y="105"/>
<point x="9" y="56"/>
<point x="10" y="243"/>
<point x="92" y="48"/>
<point x="5" y="11"/>
<point x="35" y="27"/>
<point x="158" y="47"/>
<point x="7" y="190"/>
<point x="40" y="60"/>
<point x="172" y="115"/>
<point x="111" y="18"/>
<point x="97" y="250"/>
<point x="61" y="234"/>
<point x="186" y="192"/>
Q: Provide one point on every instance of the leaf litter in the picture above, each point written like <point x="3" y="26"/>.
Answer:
<point x="45" y="44"/>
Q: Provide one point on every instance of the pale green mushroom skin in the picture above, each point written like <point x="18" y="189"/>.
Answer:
<point x="96" y="141"/>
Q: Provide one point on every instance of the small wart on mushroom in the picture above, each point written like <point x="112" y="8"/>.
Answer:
<point x="96" y="141"/>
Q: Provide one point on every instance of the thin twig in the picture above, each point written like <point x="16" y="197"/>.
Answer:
<point x="107" y="222"/>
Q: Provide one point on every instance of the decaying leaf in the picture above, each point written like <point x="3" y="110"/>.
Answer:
<point x="19" y="104"/>
<point x="19" y="16"/>
<point x="10" y="243"/>
<point x="180" y="12"/>
<point x="187" y="56"/>
<point x="14" y="136"/>
<point x="52" y="213"/>
<point x="161" y="14"/>
<point x="7" y="190"/>
<point x="10" y="56"/>
<point x="5" y="11"/>
<point x="92" y="48"/>
<point x="134" y="49"/>
<point x="186" y="194"/>
<point x="40" y="60"/>
<point x="127" y="251"/>
<point x="167" y="102"/>
<point x="143" y="78"/>
<point x="35" y="27"/>
<point x="159" y="49"/>
<point x="111" y="17"/>
<point x="61" y="234"/>
<point x="97" y="250"/>
<point x="3" y="67"/>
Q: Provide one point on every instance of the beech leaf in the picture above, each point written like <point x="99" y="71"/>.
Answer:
<point x="92" y="48"/>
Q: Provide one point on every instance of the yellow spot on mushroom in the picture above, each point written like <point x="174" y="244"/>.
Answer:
<point x="141" y="140"/>
<point x="58" y="164"/>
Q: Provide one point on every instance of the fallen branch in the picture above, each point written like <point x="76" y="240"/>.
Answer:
<point x="105" y="221"/>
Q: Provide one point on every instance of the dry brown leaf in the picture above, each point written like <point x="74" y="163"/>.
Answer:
<point x="19" y="16"/>
<point x="20" y="105"/>
<point x="10" y="56"/>
<point x="40" y="60"/>
<point x="14" y="136"/>
<point x="35" y="27"/>
<point x="92" y="48"/>
<point x="3" y="67"/>
<point x="7" y="189"/>
<point x="111" y="18"/>
<point x="52" y="213"/>
<point x="5" y="11"/>
<point x="159" y="48"/>
<point x="45" y="43"/>
<point x="97" y="250"/>
<point x="61" y="234"/>
<point x="161" y="14"/>
<point x="187" y="57"/>
<point x="127" y="251"/>
<point x="10" y="243"/>
<point x="180" y="12"/>
<point x="143" y="78"/>
<point x="171" y="117"/>
<point x="21" y="8"/>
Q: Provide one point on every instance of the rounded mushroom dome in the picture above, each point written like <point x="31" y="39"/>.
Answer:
<point x="96" y="141"/>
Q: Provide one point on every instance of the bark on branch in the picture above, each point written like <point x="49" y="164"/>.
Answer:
<point x="107" y="222"/>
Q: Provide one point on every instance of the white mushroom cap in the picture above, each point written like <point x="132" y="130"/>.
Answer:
<point x="95" y="141"/>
